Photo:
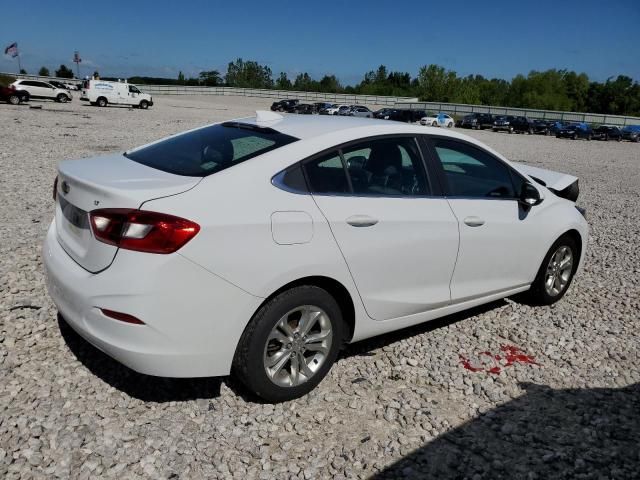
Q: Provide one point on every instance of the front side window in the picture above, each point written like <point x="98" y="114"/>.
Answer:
<point x="472" y="172"/>
<point x="208" y="150"/>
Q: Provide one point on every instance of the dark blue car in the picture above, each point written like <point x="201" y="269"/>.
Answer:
<point x="576" y="130"/>
<point x="631" y="133"/>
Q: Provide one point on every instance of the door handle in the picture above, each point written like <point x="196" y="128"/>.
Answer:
<point x="474" y="221"/>
<point x="361" y="221"/>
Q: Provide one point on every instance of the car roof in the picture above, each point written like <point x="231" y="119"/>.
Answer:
<point x="311" y="126"/>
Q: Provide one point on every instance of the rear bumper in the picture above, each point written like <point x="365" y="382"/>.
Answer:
<point x="193" y="318"/>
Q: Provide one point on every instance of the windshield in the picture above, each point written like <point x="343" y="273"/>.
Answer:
<point x="208" y="150"/>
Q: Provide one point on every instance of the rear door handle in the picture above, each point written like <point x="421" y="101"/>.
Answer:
<point x="474" y="221"/>
<point x="361" y="221"/>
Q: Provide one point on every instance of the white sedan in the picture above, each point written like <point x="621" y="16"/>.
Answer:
<point x="437" y="120"/>
<point x="260" y="246"/>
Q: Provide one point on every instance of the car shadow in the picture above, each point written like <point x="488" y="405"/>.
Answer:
<point x="364" y="347"/>
<point x="546" y="433"/>
<point x="160" y="389"/>
<point x="137" y="385"/>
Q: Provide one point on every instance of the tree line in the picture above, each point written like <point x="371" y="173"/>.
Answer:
<point x="553" y="89"/>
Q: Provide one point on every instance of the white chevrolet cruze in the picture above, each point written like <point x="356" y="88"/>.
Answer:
<point x="260" y="246"/>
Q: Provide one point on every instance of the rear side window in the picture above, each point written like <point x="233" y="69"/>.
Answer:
<point x="378" y="167"/>
<point x="210" y="149"/>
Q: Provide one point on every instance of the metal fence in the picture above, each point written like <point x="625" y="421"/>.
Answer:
<point x="275" y="94"/>
<point x="459" y="109"/>
<point x="397" y="102"/>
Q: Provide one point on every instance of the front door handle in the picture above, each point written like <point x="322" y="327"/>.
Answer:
<point x="361" y="221"/>
<point x="474" y="221"/>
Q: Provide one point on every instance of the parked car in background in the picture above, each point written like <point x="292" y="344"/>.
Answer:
<point x="478" y="121"/>
<point x="383" y="113"/>
<point x="348" y="240"/>
<point x="102" y="93"/>
<point x="437" y="120"/>
<point x="43" y="90"/>
<point x="72" y="86"/>
<point x="304" y="109"/>
<point x="555" y="126"/>
<point x="576" y="130"/>
<point x="406" y="115"/>
<point x="631" y="133"/>
<point x="60" y="85"/>
<point x="607" y="132"/>
<point x="522" y="125"/>
<point x="13" y="96"/>
<point x="502" y="123"/>
<point x="343" y="110"/>
<point x="541" y="127"/>
<point x="327" y="108"/>
<point x="320" y="106"/>
<point x="335" y="108"/>
<point x="287" y="105"/>
<point x="361" y="111"/>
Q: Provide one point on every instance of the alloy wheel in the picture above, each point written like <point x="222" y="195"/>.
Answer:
<point x="297" y="346"/>
<point x="558" y="271"/>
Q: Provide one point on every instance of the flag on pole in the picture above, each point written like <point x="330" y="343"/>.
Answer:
<point x="12" y="50"/>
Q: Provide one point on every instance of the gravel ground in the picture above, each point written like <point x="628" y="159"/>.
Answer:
<point x="397" y="406"/>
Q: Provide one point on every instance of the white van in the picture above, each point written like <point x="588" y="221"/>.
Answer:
<point x="103" y="93"/>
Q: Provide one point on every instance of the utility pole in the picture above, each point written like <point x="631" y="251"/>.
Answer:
<point x="77" y="60"/>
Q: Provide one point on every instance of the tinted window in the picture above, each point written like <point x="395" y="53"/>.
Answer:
<point x="29" y="83"/>
<point x="326" y="174"/>
<point x="471" y="172"/>
<point x="389" y="166"/>
<point x="210" y="149"/>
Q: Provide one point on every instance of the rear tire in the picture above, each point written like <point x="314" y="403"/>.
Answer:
<point x="554" y="277"/>
<point x="13" y="99"/>
<point x="101" y="102"/>
<point x="269" y="355"/>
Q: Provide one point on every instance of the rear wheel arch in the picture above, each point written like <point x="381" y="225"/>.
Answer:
<point x="336" y="289"/>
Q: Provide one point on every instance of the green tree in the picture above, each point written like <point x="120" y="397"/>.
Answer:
<point x="180" y="77"/>
<point x="249" y="74"/>
<point x="23" y="71"/>
<point x="283" y="82"/>
<point x="435" y="84"/>
<point x="64" y="72"/>
<point x="210" y="78"/>
<point x="43" y="72"/>
<point x="304" y="83"/>
<point x="329" y="84"/>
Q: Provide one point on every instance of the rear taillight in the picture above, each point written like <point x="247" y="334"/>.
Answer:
<point x="142" y="231"/>
<point x="55" y="188"/>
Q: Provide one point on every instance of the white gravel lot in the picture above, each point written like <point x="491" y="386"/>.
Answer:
<point x="398" y="406"/>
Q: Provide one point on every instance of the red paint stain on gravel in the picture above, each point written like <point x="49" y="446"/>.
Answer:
<point x="494" y="363"/>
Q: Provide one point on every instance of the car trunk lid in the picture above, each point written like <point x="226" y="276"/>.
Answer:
<point x="111" y="181"/>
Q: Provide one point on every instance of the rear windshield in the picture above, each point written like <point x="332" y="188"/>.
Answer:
<point x="210" y="149"/>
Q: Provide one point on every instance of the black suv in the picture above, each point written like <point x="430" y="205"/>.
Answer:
<point x="288" y="105"/>
<point x="503" y="122"/>
<point x="409" y="116"/>
<point x="523" y="125"/>
<point x="478" y="120"/>
<point x="607" y="132"/>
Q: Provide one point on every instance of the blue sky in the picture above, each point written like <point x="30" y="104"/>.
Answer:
<point x="347" y="38"/>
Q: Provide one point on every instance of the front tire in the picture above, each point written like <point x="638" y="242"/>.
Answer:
<point x="144" y="104"/>
<point x="290" y="344"/>
<point x="556" y="272"/>
<point x="62" y="98"/>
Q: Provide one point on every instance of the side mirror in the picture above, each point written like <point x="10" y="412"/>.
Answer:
<point x="529" y="195"/>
